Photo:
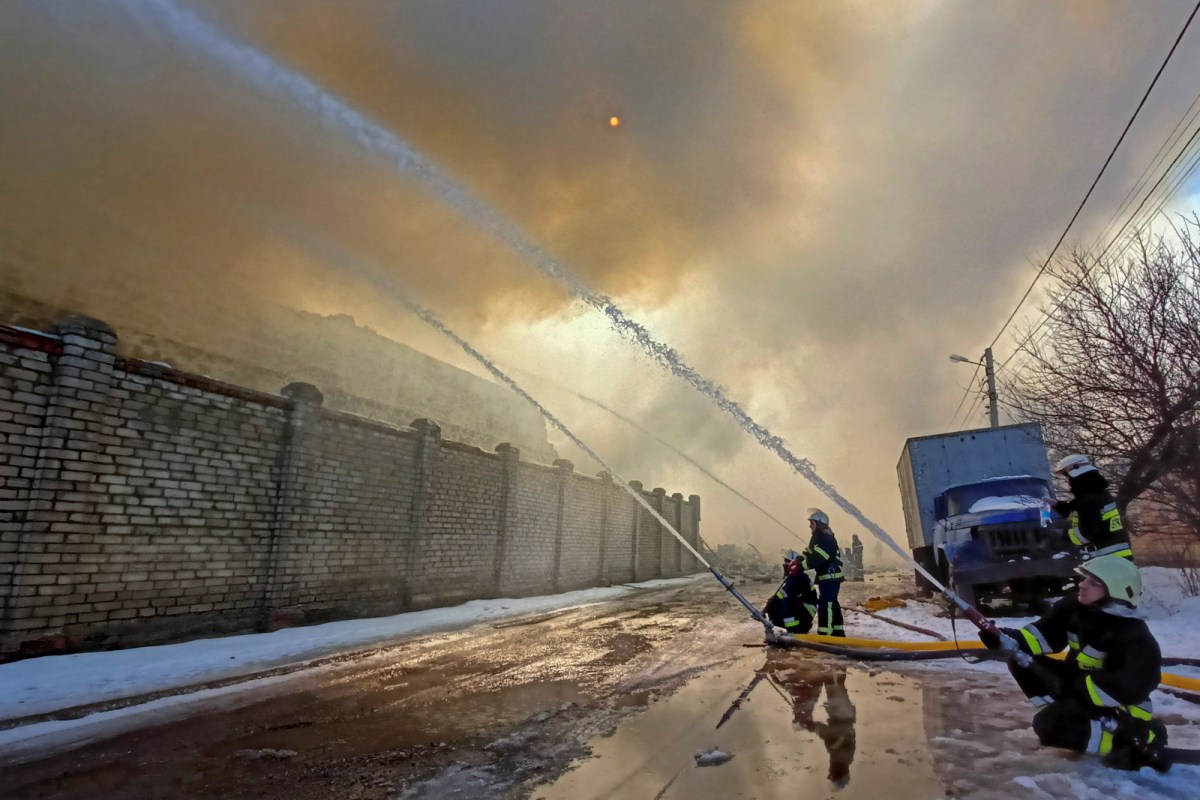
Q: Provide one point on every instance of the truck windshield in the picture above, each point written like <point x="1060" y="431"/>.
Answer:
<point x="960" y="499"/>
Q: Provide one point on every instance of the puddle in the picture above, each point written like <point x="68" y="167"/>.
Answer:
<point x="622" y="648"/>
<point x="401" y="722"/>
<point x="460" y="782"/>
<point x="796" y="726"/>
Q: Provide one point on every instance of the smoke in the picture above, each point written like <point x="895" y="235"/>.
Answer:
<point x="814" y="203"/>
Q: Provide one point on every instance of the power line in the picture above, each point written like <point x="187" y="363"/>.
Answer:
<point x="1108" y="160"/>
<point x="966" y="393"/>
<point x="1176" y="186"/>
<point x="1168" y="144"/>
<point x="979" y="395"/>
<point x="1191" y="141"/>
<point x="1178" y="183"/>
<point x="1184" y="175"/>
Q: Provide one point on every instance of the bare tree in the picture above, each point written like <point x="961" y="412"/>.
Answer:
<point x="1115" y="372"/>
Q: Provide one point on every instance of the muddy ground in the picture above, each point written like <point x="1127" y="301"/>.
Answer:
<point x="608" y="700"/>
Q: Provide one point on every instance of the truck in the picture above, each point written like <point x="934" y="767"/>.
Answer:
<point x="976" y="516"/>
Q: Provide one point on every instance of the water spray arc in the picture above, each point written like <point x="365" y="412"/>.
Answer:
<point x="266" y="73"/>
<point x="633" y="424"/>
<point x="429" y="318"/>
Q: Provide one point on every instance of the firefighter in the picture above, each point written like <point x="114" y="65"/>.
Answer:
<point x="825" y="557"/>
<point x="794" y="605"/>
<point x="1094" y="522"/>
<point x="1096" y="700"/>
<point x="856" y="552"/>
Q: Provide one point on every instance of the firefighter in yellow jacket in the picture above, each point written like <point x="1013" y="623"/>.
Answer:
<point x="824" y="557"/>
<point x="1097" y="699"/>
<point x="1095" y="524"/>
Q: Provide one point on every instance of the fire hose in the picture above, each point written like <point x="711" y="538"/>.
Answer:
<point x="880" y="650"/>
<point x="885" y="650"/>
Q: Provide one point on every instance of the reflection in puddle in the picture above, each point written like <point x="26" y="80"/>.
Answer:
<point x="805" y="681"/>
<point x="795" y="724"/>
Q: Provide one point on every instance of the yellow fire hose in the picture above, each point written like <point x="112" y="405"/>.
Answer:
<point x="845" y="643"/>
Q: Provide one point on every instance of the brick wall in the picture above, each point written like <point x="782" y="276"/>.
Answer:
<point x="620" y="517"/>
<point x="582" y="531"/>
<point x="142" y="504"/>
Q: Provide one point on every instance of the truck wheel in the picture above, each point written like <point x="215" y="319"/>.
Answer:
<point x="923" y="556"/>
<point x="967" y="593"/>
<point x="941" y="567"/>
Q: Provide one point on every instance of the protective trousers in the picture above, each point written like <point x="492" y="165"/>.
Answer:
<point x="1064" y="720"/>
<point x="791" y="613"/>
<point x="829" y="612"/>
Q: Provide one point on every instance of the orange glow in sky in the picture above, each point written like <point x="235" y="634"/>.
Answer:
<point x="614" y="122"/>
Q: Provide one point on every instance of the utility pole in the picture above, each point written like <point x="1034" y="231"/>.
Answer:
<point x="993" y="404"/>
<point x="989" y="369"/>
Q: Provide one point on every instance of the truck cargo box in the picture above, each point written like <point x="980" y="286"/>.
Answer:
<point x="931" y="464"/>
<point x="976" y="513"/>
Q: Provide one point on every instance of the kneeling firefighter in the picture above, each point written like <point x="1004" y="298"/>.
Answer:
<point x="1097" y="700"/>
<point x="794" y="605"/>
<point x="825" y="557"/>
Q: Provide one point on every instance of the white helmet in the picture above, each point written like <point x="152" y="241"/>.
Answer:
<point x="1119" y="575"/>
<point x="817" y="515"/>
<point x="1074" y="465"/>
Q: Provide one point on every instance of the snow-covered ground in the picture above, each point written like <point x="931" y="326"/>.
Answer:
<point x="1172" y="615"/>
<point x="38" y="686"/>
<point x="43" y="685"/>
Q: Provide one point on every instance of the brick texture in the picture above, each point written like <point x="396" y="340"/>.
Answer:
<point x="141" y="504"/>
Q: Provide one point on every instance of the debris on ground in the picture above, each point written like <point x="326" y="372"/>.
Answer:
<point x="266" y="753"/>
<point x="712" y="758"/>
<point x="880" y="603"/>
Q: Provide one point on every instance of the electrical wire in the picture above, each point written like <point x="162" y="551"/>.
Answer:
<point x="966" y="393"/>
<point x="1045" y="265"/>
<point x="1084" y="202"/>
<point x="1107" y="161"/>
<point x="1167" y="146"/>
<point x="1182" y="180"/>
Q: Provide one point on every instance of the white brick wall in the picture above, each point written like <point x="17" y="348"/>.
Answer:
<point x="140" y="504"/>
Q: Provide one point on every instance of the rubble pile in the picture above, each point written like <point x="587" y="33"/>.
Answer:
<point x="745" y="563"/>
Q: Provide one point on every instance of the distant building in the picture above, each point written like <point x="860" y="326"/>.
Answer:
<point x="358" y="370"/>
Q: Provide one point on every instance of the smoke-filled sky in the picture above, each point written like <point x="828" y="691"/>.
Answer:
<point x="814" y="202"/>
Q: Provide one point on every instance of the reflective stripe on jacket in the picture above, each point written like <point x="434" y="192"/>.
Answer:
<point x="824" y="556"/>
<point x="1118" y="660"/>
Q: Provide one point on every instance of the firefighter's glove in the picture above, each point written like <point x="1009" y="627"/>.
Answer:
<point x="994" y="639"/>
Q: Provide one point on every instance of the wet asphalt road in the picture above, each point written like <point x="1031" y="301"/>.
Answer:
<point x="609" y="700"/>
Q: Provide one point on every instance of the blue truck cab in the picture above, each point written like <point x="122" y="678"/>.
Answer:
<point x="975" y="513"/>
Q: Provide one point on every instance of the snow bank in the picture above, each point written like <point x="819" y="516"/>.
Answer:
<point x="40" y="685"/>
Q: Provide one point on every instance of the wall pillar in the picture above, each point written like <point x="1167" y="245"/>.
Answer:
<point x="68" y="492"/>
<point x="693" y="533"/>
<point x="510" y="458"/>
<point x="565" y="468"/>
<point x="601" y="565"/>
<point x="677" y="562"/>
<point x="636" y="561"/>
<point x="280" y="604"/>
<point x="664" y="536"/>
<point x="428" y="453"/>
